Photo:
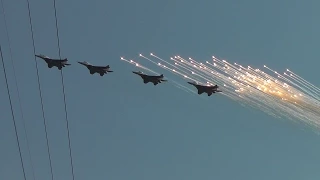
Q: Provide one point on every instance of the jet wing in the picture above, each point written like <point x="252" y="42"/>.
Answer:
<point x="63" y="60"/>
<point x="42" y="56"/>
<point x="83" y="63"/>
<point x="139" y="72"/>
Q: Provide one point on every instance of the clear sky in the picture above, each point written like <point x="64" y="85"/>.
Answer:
<point x="123" y="129"/>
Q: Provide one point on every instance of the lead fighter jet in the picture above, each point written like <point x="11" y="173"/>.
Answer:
<point x="96" y="69"/>
<point x="54" y="62"/>
<point x="147" y="78"/>
<point x="206" y="89"/>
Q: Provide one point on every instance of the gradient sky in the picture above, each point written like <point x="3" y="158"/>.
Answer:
<point x="122" y="129"/>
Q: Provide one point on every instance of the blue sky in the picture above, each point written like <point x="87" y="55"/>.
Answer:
<point x="122" y="129"/>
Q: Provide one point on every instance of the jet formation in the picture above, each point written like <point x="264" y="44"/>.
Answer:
<point x="102" y="70"/>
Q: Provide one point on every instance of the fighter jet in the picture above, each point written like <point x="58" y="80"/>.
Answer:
<point x="147" y="78"/>
<point x="54" y="62"/>
<point x="96" y="69"/>
<point x="206" y="89"/>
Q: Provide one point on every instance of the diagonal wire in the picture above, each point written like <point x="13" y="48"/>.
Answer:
<point x="17" y="88"/>
<point x="63" y="90"/>
<point x="39" y="87"/>
<point x="13" y="118"/>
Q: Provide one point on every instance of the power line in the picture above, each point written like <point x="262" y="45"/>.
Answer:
<point x="63" y="90"/>
<point x="17" y="88"/>
<point x="39" y="87"/>
<point x="13" y="118"/>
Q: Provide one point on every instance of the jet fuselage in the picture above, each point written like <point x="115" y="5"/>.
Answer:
<point x="97" y="69"/>
<point x="153" y="79"/>
<point x="206" y="89"/>
<point x="54" y="62"/>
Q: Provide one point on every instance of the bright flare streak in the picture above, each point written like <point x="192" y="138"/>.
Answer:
<point x="280" y="95"/>
<point x="138" y="65"/>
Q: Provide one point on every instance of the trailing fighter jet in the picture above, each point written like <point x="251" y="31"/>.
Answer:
<point x="147" y="78"/>
<point x="96" y="69"/>
<point x="206" y="89"/>
<point x="54" y="62"/>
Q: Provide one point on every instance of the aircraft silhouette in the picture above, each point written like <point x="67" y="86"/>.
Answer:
<point x="96" y="69"/>
<point x="54" y="62"/>
<point x="148" y="78"/>
<point x="206" y="89"/>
